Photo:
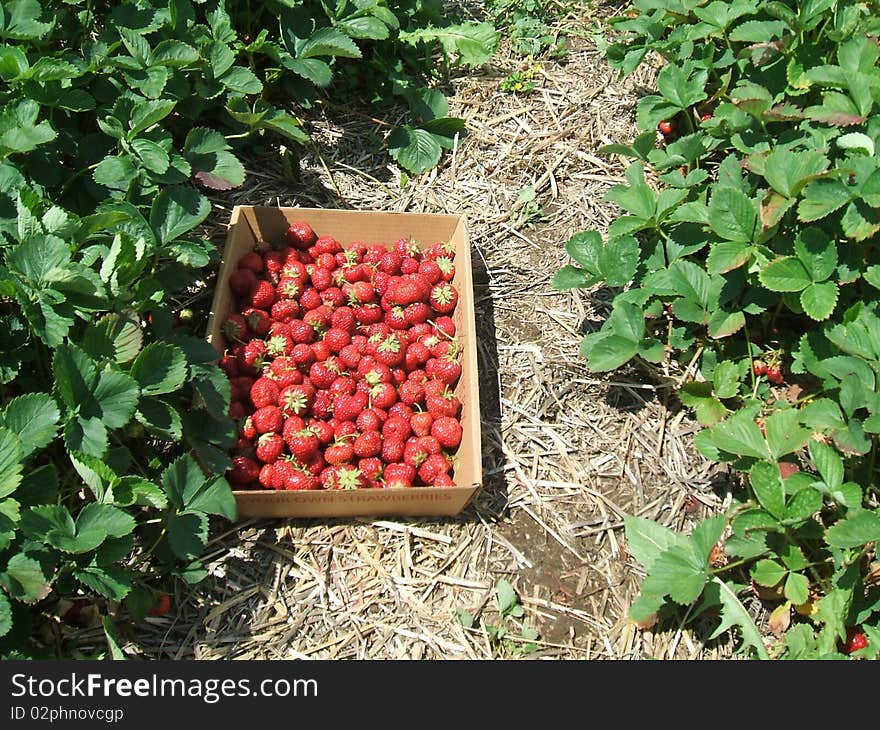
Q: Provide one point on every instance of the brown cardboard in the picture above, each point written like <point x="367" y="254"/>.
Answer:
<point x="249" y="224"/>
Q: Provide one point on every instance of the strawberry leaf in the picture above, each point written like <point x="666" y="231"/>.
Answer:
<point x="819" y="300"/>
<point x="733" y="615"/>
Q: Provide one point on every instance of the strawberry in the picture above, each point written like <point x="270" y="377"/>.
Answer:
<point x="406" y="289"/>
<point x="301" y="480"/>
<point x="273" y="262"/>
<point x="438" y="249"/>
<point x="775" y="376"/>
<point x="369" y="443"/>
<point x="322" y="374"/>
<point x="417" y="354"/>
<point x="296" y="399"/>
<point x="390" y="262"/>
<point x="303" y="445"/>
<point x="270" y="446"/>
<point x="371" y="469"/>
<point x="398" y="376"/>
<point x="267" y="419"/>
<point x="237" y="410"/>
<point x="392" y="450"/>
<point x="383" y="395"/>
<point x="443" y="297"/>
<point x="258" y="321"/>
<point x="391" y="351"/>
<point x="300" y="235"/>
<point x="343" y="429"/>
<point x="667" y="127"/>
<point x="407" y="246"/>
<point x="284" y="372"/>
<point x="855" y="640"/>
<point x="430" y="270"/>
<point x="161" y="606"/>
<point x="241" y="281"/>
<point x="333" y="297"/>
<point x="301" y="332"/>
<point x="787" y="468"/>
<point x="416" y="313"/>
<point x="289" y="288"/>
<point x="262" y="295"/>
<point x="445" y="325"/>
<point x="264" y="392"/>
<point x="343" y="318"/>
<point x="370" y="419"/>
<point x="409" y="265"/>
<point x="322" y="278"/>
<point x="395" y="317"/>
<point x="285" y="310"/>
<point x="421" y="423"/>
<point x="433" y="467"/>
<point x="446" y="369"/>
<point x="235" y="327"/>
<point x="411" y="392"/>
<point x="369" y="313"/>
<point x="447" y="268"/>
<point x="322" y="406"/>
<point x="336" y="339"/>
<point x="759" y="367"/>
<point x="347" y="407"/>
<point x="302" y="355"/>
<point x="320" y="351"/>
<point x="342" y="385"/>
<point x="327" y="244"/>
<point x="340" y="452"/>
<point x="285" y="472"/>
<point x="445" y="404"/>
<point x="401" y="410"/>
<point x="447" y="431"/>
<point x="229" y="365"/>
<point x="279" y="345"/>
<point x="396" y="428"/>
<point x="244" y="471"/>
<point x="310" y="298"/>
<point x="251" y="260"/>
<point x="444" y="480"/>
<point x="359" y="292"/>
<point x="322" y="430"/>
<point x="399" y="475"/>
<point x="349" y="477"/>
<point x="349" y="356"/>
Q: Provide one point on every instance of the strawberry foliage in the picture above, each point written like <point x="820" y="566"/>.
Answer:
<point x="117" y="119"/>
<point x="745" y="256"/>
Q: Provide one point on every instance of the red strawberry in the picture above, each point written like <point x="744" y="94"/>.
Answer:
<point x="447" y="431"/>
<point x="444" y="480"/>
<point x="401" y="410"/>
<point x="371" y="419"/>
<point x="371" y="469"/>
<point x="407" y="246"/>
<point x="279" y="345"/>
<point x="262" y="295"/>
<point x="296" y="399"/>
<point x="396" y="428"/>
<point x="447" y="268"/>
<point x="241" y="281"/>
<point x="775" y="376"/>
<point x="273" y="261"/>
<point x="300" y="480"/>
<point x="285" y="472"/>
<point x="855" y="640"/>
<point x="417" y="354"/>
<point x="258" y="321"/>
<point x="310" y="298"/>
<point x="349" y="356"/>
<point x="327" y="244"/>
<point x="161" y="606"/>
<point x="235" y="327"/>
<point x="320" y="351"/>
<point x="445" y="404"/>
<point x="267" y="419"/>
<point x="342" y="385"/>
<point x="369" y="443"/>
<point x="264" y="392"/>
<point x="285" y="310"/>
<point x="392" y="450"/>
<point x="301" y="332"/>
<point x="391" y="351"/>
<point x="251" y="260"/>
<point x="347" y="407"/>
<point x="430" y="270"/>
<point x="446" y="369"/>
<point x="300" y="235"/>
<point x="270" y="446"/>
<point x="244" y="471"/>
<point x="284" y="372"/>
<point x="229" y="365"/>
<point x="340" y="452"/>
<point x="395" y="317"/>
<point x="322" y="406"/>
<point x="303" y="445"/>
<point x="268" y="478"/>
<point x="322" y="374"/>
<point x="343" y="429"/>
<point x="302" y="355"/>
<point x="434" y="466"/>
<point x="406" y="289"/>
<point x="248" y="432"/>
<point x="445" y="325"/>
<point x="369" y="313"/>
<point x="411" y="392"/>
<point x="383" y="395"/>
<point x="399" y="475"/>
<point x="289" y="289"/>
<point x="443" y="297"/>
<point x="421" y="423"/>
<point x="333" y="297"/>
<point x="336" y="339"/>
<point x="416" y="313"/>
<point x="438" y="249"/>
<point x="322" y="430"/>
<point x="237" y="410"/>
<point x="390" y="262"/>
<point x="292" y="424"/>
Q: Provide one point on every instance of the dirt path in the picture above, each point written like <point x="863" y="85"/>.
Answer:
<point x="566" y="454"/>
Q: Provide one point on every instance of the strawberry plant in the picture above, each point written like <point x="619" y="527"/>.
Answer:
<point x="116" y="120"/>
<point x="745" y="259"/>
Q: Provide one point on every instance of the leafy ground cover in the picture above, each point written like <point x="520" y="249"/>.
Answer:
<point x="744" y="260"/>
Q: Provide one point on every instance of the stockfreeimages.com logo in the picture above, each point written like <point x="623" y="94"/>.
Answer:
<point x="208" y="690"/>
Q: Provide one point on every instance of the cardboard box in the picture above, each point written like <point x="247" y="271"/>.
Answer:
<point x="250" y="224"/>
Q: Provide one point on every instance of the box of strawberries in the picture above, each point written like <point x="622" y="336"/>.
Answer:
<point x="350" y="344"/>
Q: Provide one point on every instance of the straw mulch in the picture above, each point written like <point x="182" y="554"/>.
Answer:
<point x="567" y="454"/>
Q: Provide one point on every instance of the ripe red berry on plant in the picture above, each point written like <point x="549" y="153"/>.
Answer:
<point x="344" y="364"/>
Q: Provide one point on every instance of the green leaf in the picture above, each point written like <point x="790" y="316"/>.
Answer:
<point x="733" y="614"/>
<point x="366" y="27"/>
<point x="473" y="43"/>
<point x="785" y="274"/>
<point x="618" y="260"/>
<point x="153" y="157"/>
<point x="855" y="530"/>
<point x="110" y="632"/>
<point x="10" y="462"/>
<point x="174" y="53"/>
<point x="860" y="221"/>
<point x="725" y="379"/>
<point x="739" y="434"/>
<point x="768" y="573"/>
<point x="821" y="198"/>
<point x="675" y="86"/>
<point x="105" y="517"/>
<point x="160" y="419"/>
<point x="767" y="485"/>
<point x="797" y="588"/>
<point x="111" y="582"/>
<point x="726" y="256"/>
<point x="214" y="497"/>
<point x="94" y="472"/>
<point x="181" y="479"/>
<point x="856" y="141"/>
<point x="819" y="300"/>
<point x="114" y="337"/>
<point x="732" y="215"/>
<point x="784" y="432"/>
<point x="415" y="149"/>
<point x="74" y="374"/>
<point x="160" y="368"/>
<point x="117" y="394"/>
<point x="328" y="42"/>
<point x="34" y="418"/>
<point x="505" y="596"/>
<point x="176" y="211"/>
<point x="708" y="409"/>
<point x="677" y="573"/>
<point x="817" y="252"/>
<point x="646" y="539"/>
<point x="828" y="463"/>
<point x="311" y="69"/>
<point x="787" y="171"/>
<point x="24" y="579"/>
<point x="5" y="615"/>
<point x="147" y="113"/>
<point x="115" y="173"/>
<point x="187" y="533"/>
<point x="571" y="277"/>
